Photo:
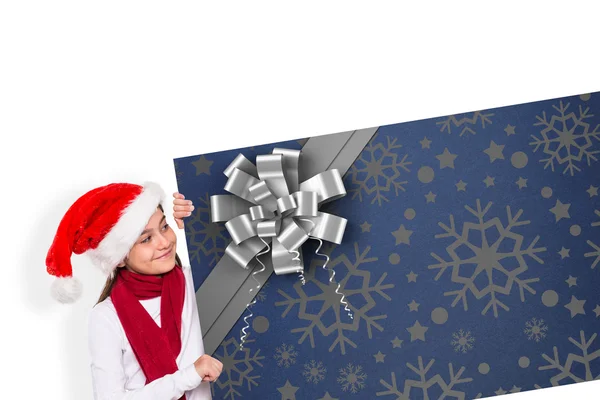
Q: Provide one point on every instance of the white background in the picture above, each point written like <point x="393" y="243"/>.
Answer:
<point x="93" y="92"/>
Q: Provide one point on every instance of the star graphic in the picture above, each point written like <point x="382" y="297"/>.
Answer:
<point x="327" y="397"/>
<point x="425" y="143"/>
<point x="379" y="357"/>
<point x="412" y="277"/>
<point x="402" y="235"/>
<point x="446" y="159"/>
<point x="560" y="210"/>
<point x="575" y="306"/>
<point x="563" y="253"/>
<point x="398" y="343"/>
<point x="522" y="183"/>
<point x="515" y="389"/>
<point x="413" y="306"/>
<point x="571" y="281"/>
<point x="430" y="197"/>
<point x="494" y="151"/>
<point x="288" y="392"/>
<point x="489" y="181"/>
<point x="592" y="191"/>
<point x="596" y="310"/>
<point x="417" y="332"/>
<point x="500" y="391"/>
<point x="202" y="166"/>
<point x="510" y="130"/>
<point x="461" y="186"/>
<point x="365" y="227"/>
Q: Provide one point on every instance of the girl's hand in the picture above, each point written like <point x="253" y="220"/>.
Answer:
<point x="181" y="208"/>
<point x="208" y="368"/>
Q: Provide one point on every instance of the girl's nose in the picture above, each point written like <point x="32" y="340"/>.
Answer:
<point x="163" y="241"/>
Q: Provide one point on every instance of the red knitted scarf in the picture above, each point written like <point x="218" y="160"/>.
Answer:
<point x="155" y="348"/>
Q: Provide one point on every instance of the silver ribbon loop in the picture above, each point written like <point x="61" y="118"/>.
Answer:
<point x="328" y="227"/>
<point x="262" y="195"/>
<point x="328" y="185"/>
<point x="259" y="213"/>
<point x="291" y="163"/>
<point x="244" y="253"/>
<point x="292" y="236"/>
<point x="307" y="204"/>
<point x="242" y="163"/>
<point x="285" y="204"/>
<point x="270" y="170"/>
<point x="241" y="228"/>
<point x="268" y="228"/>
<point x="239" y="184"/>
<point x="224" y="207"/>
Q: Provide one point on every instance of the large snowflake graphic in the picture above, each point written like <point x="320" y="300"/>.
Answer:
<point x="424" y="383"/>
<point x="566" y="138"/>
<point x="566" y="369"/>
<point x="593" y="253"/>
<point x="285" y="355"/>
<point x="377" y="171"/>
<point x="314" y="371"/>
<point x="327" y="300"/>
<point x="352" y="378"/>
<point x="491" y="251"/>
<point x="206" y="238"/>
<point x="238" y="366"/>
<point x="462" y="341"/>
<point x="466" y="122"/>
<point x="535" y="329"/>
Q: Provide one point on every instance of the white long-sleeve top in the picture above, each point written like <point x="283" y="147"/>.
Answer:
<point x="116" y="373"/>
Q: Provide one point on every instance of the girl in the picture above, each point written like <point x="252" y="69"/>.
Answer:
<point x="145" y="340"/>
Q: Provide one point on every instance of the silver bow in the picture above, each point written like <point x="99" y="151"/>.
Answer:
<point x="268" y="205"/>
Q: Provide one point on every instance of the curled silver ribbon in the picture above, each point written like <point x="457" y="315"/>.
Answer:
<point x="331" y="275"/>
<point x="244" y="334"/>
<point x="268" y="201"/>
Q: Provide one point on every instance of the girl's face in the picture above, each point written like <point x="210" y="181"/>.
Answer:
<point x="154" y="251"/>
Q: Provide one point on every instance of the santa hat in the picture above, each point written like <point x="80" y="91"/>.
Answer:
<point x="104" y="223"/>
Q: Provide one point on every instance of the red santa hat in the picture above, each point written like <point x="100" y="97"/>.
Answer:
<point x="104" y="223"/>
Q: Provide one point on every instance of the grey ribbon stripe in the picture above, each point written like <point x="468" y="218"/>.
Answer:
<point x="223" y="296"/>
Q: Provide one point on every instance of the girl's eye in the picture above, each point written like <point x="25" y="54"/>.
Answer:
<point x="165" y="226"/>
<point x="146" y="240"/>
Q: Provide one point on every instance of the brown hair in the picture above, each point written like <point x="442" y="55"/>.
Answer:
<point x="110" y="281"/>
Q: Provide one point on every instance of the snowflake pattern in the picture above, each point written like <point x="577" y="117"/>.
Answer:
<point x="487" y="258"/>
<point x="462" y="341"/>
<point x="466" y="122"/>
<point x="206" y="238"/>
<point x="424" y="384"/>
<point x="566" y="369"/>
<point x="535" y="329"/>
<point x="237" y="367"/>
<point x="314" y="371"/>
<point x="330" y="300"/>
<point x="473" y="247"/>
<point x="566" y="138"/>
<point x="352" y="378"/>
<point x="285" y="355"/>
<point x="377" y="170"/>
<point x="593" y="253"/>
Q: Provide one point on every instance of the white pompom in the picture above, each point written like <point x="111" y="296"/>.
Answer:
<point x="66" y="289"/>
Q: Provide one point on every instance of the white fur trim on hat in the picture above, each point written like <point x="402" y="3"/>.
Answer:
<point x="116" y="244"/>
<point x="66" y="289"/>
